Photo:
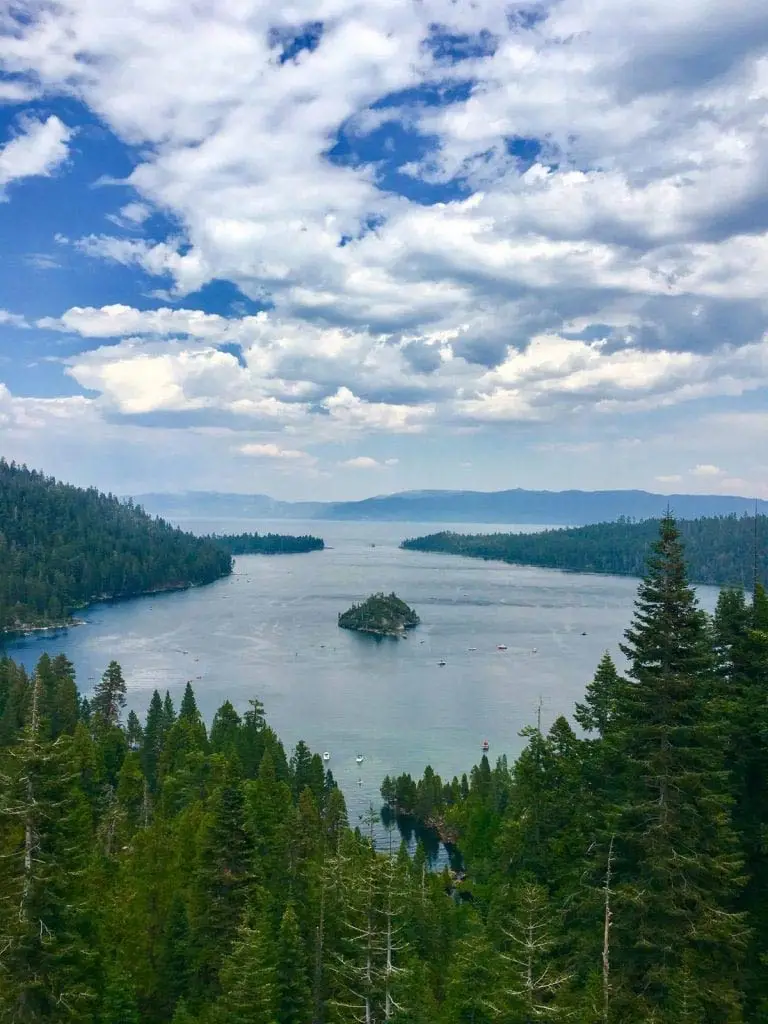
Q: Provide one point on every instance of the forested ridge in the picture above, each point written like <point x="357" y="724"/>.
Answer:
<point x="62" y="547"/>
<point x="266" y="543"/>
<point x="165" y="872"/>
<point x="720" y="550"/>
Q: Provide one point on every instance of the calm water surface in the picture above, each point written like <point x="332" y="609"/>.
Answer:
<point x="269" y="631"/>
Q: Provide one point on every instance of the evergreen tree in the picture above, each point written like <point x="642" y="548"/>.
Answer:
<point x="293" y="998"/>
<point x="133" y="731"/>
<point x="225" y="730"/>
<point x="188" y="711"/>
<point x="154" y="735"/>
<point x="118" y="1003"/>
<point x="169" y="712"/>
<point x="599" y="708"/>
<point x="248" y="979"/>
<point x="45" y="838"/>
<point x="175" y="968"/>
<point x="678" y="867"/>
<point x="220" y="884"/>
<point x="109" y="696"/>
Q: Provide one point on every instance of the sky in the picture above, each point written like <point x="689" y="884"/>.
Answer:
<point x="333" y="248"/>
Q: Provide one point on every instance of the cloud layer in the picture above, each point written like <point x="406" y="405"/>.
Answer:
<point x="458" y="219"/>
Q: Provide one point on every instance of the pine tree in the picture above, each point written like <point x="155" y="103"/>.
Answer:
<point x="175" y="967"/>
<point x="169" y="712"/>
<point x="225" y="730"/>
<point x="474" y="987"/>
<point x="45" y="838"/>
<point x="294" y="1001"/>
<point x="118" y="1003"/>
<point x="247" y="980"/>
<point x="220" y="883"/>
<point x="678" y="867"/>
<point x="188" y="711"/>
<point x="154" y="735"/>
<point x="109" y="696"/>
<point x="599" y="708"/>
<point x="741" y="633"/>
<point x="133" y="731"/>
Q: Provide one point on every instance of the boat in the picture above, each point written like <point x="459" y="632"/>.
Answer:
<point x="442" y="662"/>
<point x="501" y="647"/>
<point x="535" y="650"/>
<point x="471" y="648"/>
<point x="486" y="746"/>
<point x="326" y="756"/>
<point x="359" y="758"/>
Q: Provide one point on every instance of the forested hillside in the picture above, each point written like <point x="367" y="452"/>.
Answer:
<point x="719" y="550"/>
<point x="163" y="872"/>
<point x="62" y="547"/>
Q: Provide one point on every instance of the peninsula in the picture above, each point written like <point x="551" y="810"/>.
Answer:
<point x="380" y="614"/>
<point x="267" y="543"/>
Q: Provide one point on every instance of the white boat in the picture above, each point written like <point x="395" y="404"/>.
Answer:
<point x="326" y="756"/>
<point x="359" y="758"/>
<point x="471" y="648"/>
<point x="501" y="647"/>
<point x="441" y="662"/>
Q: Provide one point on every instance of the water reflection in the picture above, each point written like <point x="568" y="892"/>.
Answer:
<point x="439" y="854"/>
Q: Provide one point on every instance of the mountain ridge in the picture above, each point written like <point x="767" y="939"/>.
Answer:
<point x="570" y="507"/>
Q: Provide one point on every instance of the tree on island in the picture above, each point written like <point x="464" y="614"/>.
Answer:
<point x="382" y="614"/>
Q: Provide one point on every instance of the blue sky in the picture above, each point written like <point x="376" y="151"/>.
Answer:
<point x="357" y="248"/>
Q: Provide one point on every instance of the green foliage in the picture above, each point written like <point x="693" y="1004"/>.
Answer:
<point x="383" y="614"/>
<point x="62" y="547"/>
<point x="266" y="543"/>
<point x="153" y="874"/>
<point x="719" y="549"/>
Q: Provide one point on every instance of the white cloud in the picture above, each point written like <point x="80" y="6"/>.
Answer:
<point x="132" y="215"/>
<point x="366" y="462"/>
<point x="12" y="319"/>
<point x="706" y="469"/>
<point x="622" y="272"/>
<point x="671" y="478"/>
<point x="38" y="149"/>
<point x="272" y="451"/>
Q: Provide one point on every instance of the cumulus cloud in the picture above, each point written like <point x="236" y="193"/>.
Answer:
<point x="39" y="148"/>
<point x="706" y="469"/>
<point x="272" y="451"/>
<point x="584" y="232"/>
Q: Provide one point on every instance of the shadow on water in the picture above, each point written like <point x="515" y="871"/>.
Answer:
<point x="412" y="832"/>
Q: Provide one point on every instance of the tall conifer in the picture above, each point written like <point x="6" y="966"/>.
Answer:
<point x="677" y="863"/>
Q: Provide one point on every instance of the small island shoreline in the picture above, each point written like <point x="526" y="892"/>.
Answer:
<point x="380" y="615"/>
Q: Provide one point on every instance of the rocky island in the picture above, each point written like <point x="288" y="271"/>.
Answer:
<point x="380" y="614"/>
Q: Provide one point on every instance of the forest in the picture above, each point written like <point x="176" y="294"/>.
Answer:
<point x="720" y="550"/>
<point x="166" y="872"/>
<point x="266" y="543"/>
<point x="62" y="547"/>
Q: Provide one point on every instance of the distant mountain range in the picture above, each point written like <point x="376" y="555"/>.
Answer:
<point x="552" y="508"/>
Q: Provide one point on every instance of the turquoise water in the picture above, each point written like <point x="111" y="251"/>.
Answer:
<point x="269" y="631"/>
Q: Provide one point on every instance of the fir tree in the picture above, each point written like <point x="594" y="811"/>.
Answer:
<point x="247" y="980"/>
<point x="45" y="839"/>
<point x="678" y="867"/>
<point x="109" y="696"/>
<point x="188" y="711"/>
<point x="293" y="997"/>
<point x="118" y="1003"/>
<point x="154" y="735"/>
<point x="599" y="708"/>
<point x="220" y="883"/>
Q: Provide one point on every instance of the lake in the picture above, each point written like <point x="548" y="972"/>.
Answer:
<point x="269" y="631"/>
